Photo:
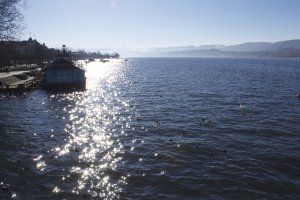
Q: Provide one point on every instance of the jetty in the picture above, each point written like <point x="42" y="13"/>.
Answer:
<point x="19" y="82"/>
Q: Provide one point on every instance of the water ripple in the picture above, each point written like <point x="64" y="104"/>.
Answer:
<point x="158" y="128"/>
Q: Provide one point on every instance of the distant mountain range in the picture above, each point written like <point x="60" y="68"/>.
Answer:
<point x="263" y="46"/>
<point x="282" y="49"/>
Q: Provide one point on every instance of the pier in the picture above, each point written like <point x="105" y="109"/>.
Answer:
<point x="19" y="82"/>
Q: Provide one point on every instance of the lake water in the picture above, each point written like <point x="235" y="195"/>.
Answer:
<point x="158" y="128"/>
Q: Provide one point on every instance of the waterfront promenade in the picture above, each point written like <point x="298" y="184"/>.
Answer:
<point x="18" y="82"/>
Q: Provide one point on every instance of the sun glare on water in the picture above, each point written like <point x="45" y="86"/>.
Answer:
<point x="92" y="149"/>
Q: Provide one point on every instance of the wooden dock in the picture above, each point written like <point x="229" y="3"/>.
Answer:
<point x="19" y="82"/>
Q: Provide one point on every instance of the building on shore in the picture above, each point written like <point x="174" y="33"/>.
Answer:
<point x="63" y="73"/>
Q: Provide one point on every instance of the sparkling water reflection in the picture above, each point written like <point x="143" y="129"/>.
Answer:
<point x="92" y="142"/>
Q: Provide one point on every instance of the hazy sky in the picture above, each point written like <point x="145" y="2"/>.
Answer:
<point x="160" y="23"/>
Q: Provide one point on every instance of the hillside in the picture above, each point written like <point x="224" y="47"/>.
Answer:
<point x="281" y="49"/>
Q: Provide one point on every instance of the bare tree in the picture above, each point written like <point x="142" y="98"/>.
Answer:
<point x="11" y="20"/>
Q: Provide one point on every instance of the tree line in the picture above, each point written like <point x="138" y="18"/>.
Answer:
<point x="83" y="55"/>
<point x="16" y="53"/>
<point x="13" y="53"/>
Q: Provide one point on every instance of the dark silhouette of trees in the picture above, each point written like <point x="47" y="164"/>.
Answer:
<point x="82" y="55"/>
<point x="7" y="53"/>
<point x="25" y="52"/>
<point x="11" y="20"/>
<point x="115" y="55"/>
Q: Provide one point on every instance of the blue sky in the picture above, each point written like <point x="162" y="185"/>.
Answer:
<point x="160" y="23"/>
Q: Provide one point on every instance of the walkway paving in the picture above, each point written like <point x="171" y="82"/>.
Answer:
<point x="8" y="74"/>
